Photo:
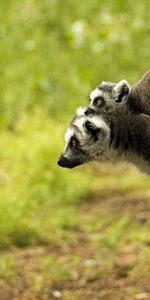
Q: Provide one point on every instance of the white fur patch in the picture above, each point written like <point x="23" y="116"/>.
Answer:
<point x="95" y="93"/>
<point x="68" y="135"/>
<point x="100" y="123"/>
<point x="79" y="122"/>
<point x="81" y="111"/>
<point x="104" y="82"/>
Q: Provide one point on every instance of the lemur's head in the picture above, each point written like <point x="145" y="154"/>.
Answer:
<point x="87" y="139"/>
<point x="107" y="95"/>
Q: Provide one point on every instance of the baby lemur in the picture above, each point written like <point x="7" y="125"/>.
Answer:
<point x="108" y="97"/>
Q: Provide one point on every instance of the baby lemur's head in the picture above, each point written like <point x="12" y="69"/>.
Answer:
<point x="87" y="139"/>
<point x="108" y="96"/>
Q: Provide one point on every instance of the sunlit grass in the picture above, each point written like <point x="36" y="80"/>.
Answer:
<point x="33" y="187"/>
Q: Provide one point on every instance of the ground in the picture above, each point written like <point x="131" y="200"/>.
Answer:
<point x="85" y="267"/>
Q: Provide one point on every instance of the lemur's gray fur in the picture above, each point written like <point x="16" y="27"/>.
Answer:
<point x="115" y="126"/>
<point x="107" y="137"/>
<point x="108" y="96"/>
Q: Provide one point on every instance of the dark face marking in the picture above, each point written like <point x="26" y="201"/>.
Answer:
<point x="74" y="143"/>
<point x="99" y="101"/>
<point x="92" y="129"/>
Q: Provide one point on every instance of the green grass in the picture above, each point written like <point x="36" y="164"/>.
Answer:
<point x="53" y="53"/>
<point x="32" y="186"/>
<point x="8" y="269"/>
<point x="46" y="72"/>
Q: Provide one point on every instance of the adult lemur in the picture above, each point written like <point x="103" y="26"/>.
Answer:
<point x="108" y="96"/>
<point x="107" y="138"/>
<point x="111" y="132"/>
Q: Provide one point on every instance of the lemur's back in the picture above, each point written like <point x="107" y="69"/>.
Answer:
<point x="143" y="85"/>
<point x="139" y="98"/>
<point x="131" y="132"/>
<point x="130" y="136"/>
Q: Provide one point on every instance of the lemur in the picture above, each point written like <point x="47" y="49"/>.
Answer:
<point x="108" y="97"/>
<point x="107" y="138"/>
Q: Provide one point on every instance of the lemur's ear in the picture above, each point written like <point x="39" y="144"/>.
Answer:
<point x="92" y="129"/>
<point x="122" y="89"/>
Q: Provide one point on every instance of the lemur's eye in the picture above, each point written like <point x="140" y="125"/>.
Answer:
<point x="99" y="101"/>
<point x="74" y="143"/>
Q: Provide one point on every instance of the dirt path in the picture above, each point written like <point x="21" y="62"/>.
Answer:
<point x="82" y="268"/>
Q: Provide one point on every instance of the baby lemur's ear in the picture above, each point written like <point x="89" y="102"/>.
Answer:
<point x="122" y="89"/>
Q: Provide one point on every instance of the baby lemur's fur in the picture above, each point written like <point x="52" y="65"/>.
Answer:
<point x="108" y="96"/>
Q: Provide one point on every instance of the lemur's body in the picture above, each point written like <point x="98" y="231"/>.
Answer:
<point x="130" y="139"/>
<point x="139" y="97"/>
<point x="108" y="96"/>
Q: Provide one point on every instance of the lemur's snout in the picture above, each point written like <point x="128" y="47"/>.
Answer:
<point x="88" y="111"/>
<point x="64" y="162"/>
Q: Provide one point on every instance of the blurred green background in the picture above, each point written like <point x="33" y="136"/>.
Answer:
<point x="52" y="54"/>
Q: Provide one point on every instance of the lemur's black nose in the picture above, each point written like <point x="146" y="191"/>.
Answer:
<point x="64" y="162"/>
<point x="88" y="111"/>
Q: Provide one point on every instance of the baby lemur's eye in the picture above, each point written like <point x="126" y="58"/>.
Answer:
<point x="99" y="101"/>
